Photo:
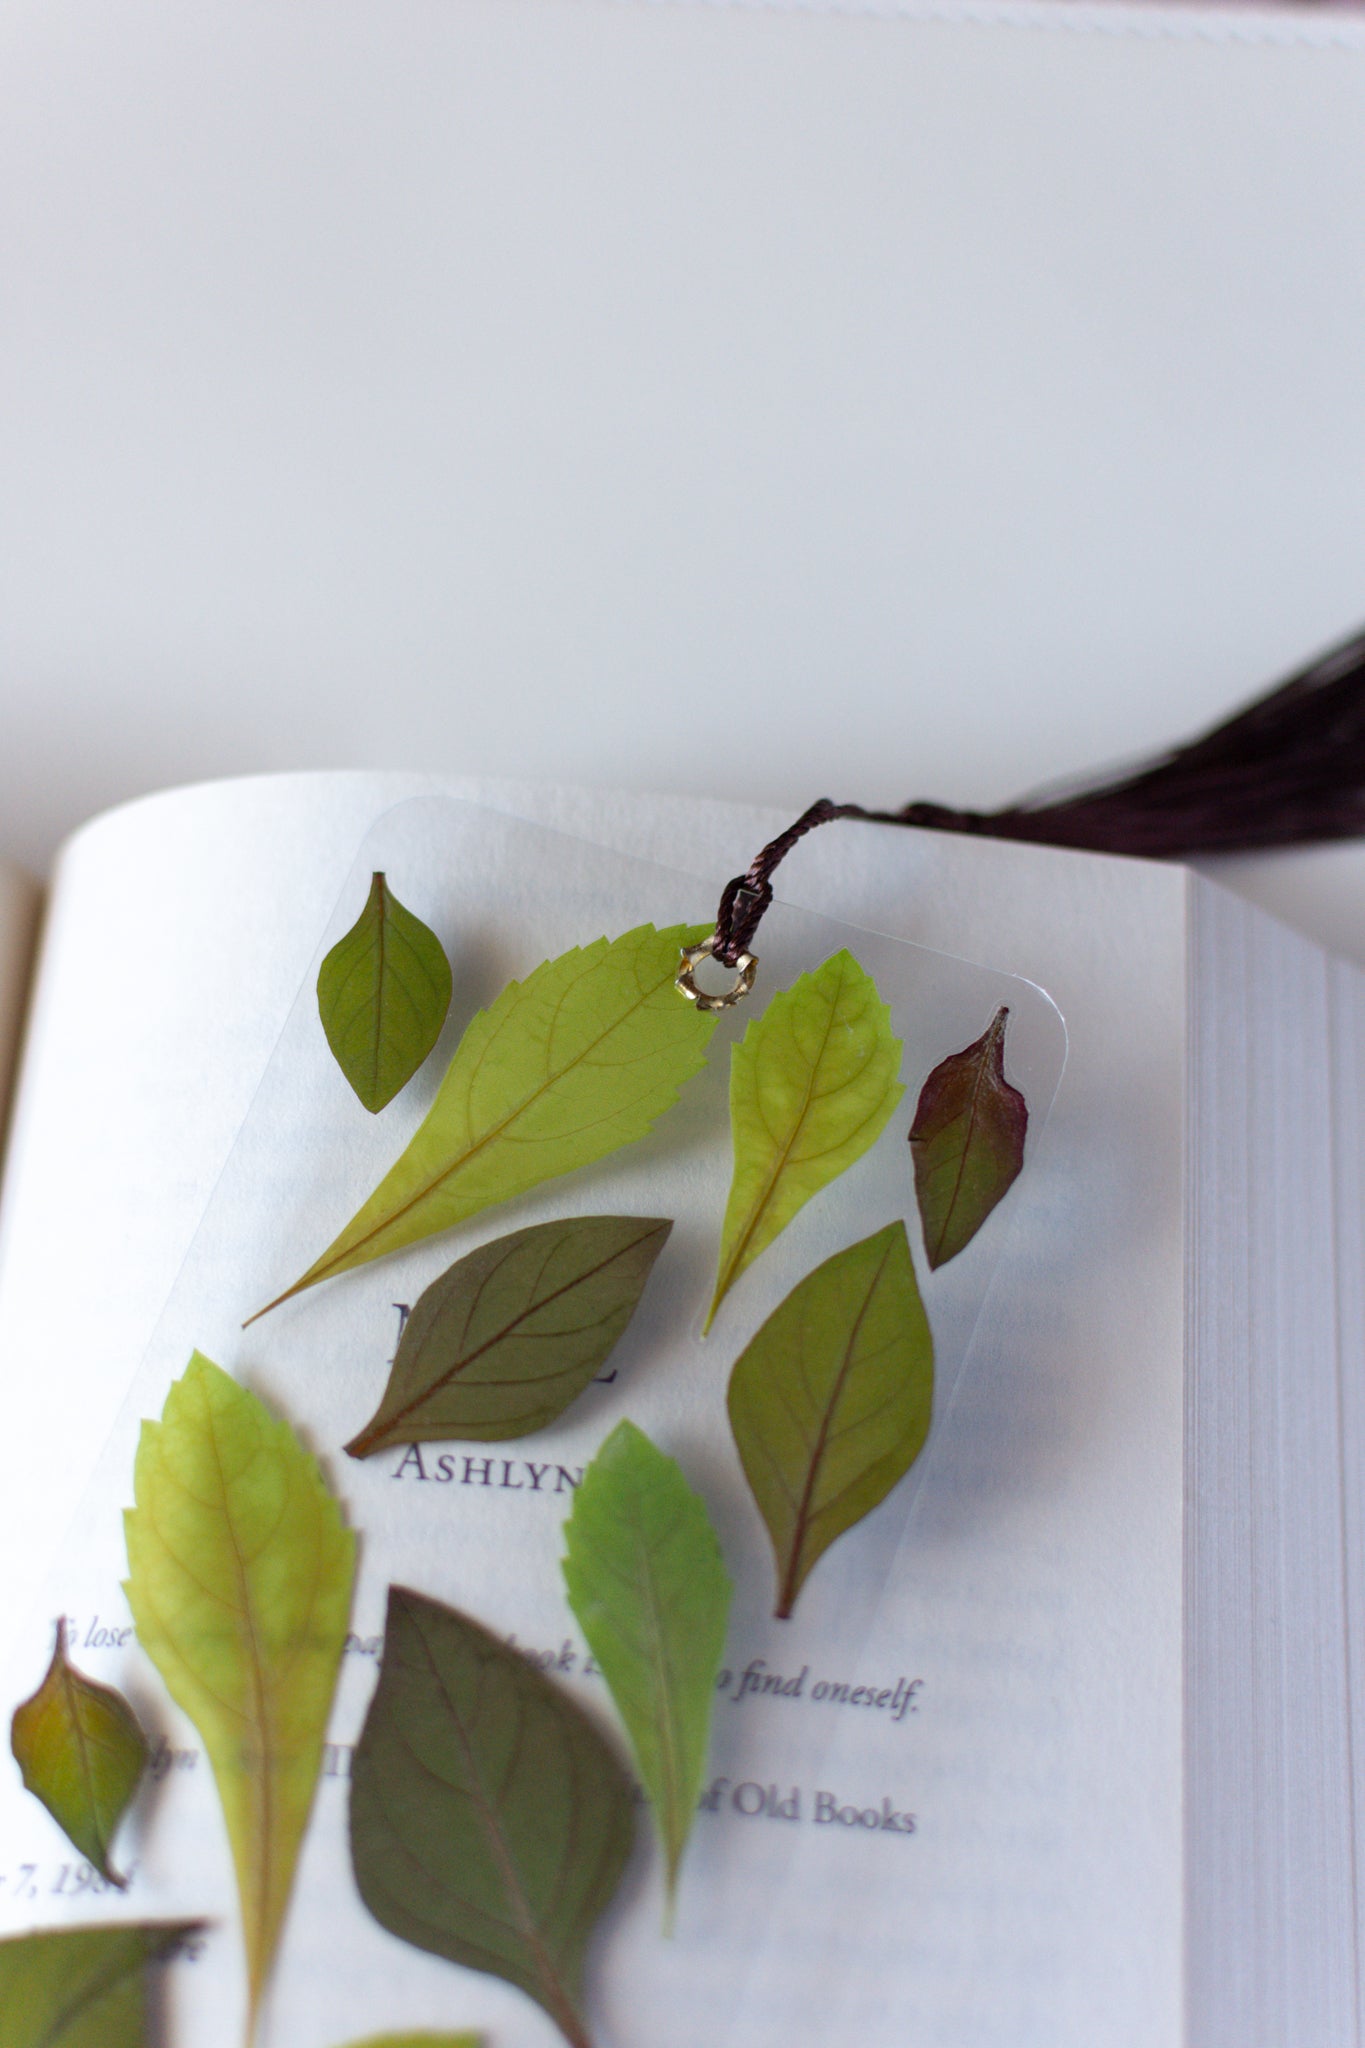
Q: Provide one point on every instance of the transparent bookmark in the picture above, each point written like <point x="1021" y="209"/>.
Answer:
<point x="479" y="1526"/>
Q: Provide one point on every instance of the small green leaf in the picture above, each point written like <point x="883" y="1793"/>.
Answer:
<point x="419" y="2041"/>
<point x="509" y="1336"/>
<point x="967" y="1142"/>
<point x="82" y="1753"/>
<point x="812" y="1086"/>
<point x="830" y="1403"/>
<point x="490" y="1823"/>
<point x="82" y="1989"/>
<point x="383" y="993"/>
<point x="646" y="1579"/>
<point x="579" y="1059"/>
<point x="239" y="1579"/>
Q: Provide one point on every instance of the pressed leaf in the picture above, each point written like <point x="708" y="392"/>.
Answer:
<point x="490" y="1822"/>
<point x="509" y="1336"/>
<point x="812" y="1086"/>
<point x="646" y="1579"/>
<point x="967" y="1142"/>
<point x="419" y="2041"/>
<point x="829" y="1404"/>
<point x="82" y="1753"/>
<point x="383" y="993"/>
<point x="84" y="1987"/>
<point x="577" y="1060"/>
<point x="239" y="1579"/>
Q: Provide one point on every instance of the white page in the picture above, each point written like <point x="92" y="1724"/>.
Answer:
<point x="1084" y="1524"/>
<point x="1320" y="890"/>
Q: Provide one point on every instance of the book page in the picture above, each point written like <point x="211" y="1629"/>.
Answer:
<point x="1319" y="890"/>
<point x="20" y="898"/>
<point x="1054" y="1537"/>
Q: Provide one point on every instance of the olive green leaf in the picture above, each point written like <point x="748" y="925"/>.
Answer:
<point x="83" y="1988"/>
<point x="82" y="1753"/>
<point x="830" y="1403"/>
<point x="509" y="1336"/>
<point x="812" y="1086"/>
<point x="240" y="1573"/>
<point x="577" y="1060"/>
<point x="646" y="1579"/>
<point x="490" y="1822"/>
<point x="383" y="993"/>
<point x="420" y="2041"/>
<point x="967" y="1142"/>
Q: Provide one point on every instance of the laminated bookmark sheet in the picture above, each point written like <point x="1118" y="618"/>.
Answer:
<point x="824" y="1724"/>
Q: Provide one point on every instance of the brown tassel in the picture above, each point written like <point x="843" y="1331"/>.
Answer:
<point x="1286" y="770"/>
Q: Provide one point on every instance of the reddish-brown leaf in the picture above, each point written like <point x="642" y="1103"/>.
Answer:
<point x="967" y="1141"/>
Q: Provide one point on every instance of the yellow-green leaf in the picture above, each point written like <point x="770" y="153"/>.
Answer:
<point x="419" y="2041"/>
<point x="646" y="1579"/>
<point x="830" y="1402"/>
<point x="383" y="993"/>
<point x="490" y="1822"/>
<point x="967" y="1142"/>
<point x="239" y="1579"/>
<point x="577" y="1060"/>
<point x="84" y="1987"/>
<point x="82" y="1753"/>
<point x="812" y="1086"/>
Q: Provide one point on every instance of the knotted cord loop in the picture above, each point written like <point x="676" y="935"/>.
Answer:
<point x="1288" y="769"/>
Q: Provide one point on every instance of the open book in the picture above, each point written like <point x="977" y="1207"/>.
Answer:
<point x="1088" y="1669"/>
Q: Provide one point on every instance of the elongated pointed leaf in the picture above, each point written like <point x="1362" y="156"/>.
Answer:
<point x="239" y="1579"/>
<point x="82" y="1988"/>
<point x="579" y="1059"/>
<point x="509" y="1336"/>
<point x="646" y="1579"/>
<point x="812" y="1086"/>
<point x="830" y="1403"/>
<point x="82" y="1753"/>
<point x="967" y="1141"/>
<point x="383" y="993"/>
<point x="490" y="1823"/>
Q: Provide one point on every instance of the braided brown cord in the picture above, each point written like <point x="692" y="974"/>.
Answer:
<point x="1286" y="770"/>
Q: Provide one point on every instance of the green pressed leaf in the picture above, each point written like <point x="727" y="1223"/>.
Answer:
<point x="419" y="2041"/>
<point x="85" y="1988"/>
<point x="508" y="1336"/>
<point x="239" y="1579"/>
<point x="646" y="1579"/>
<point x="830" y="1403"/>
<point x="812" y="1086"/>
<point x="82" y="1753"/>
<point x="967" y="1142"/>
<point x="490" y="1822"/>
<point x="577" y="1060"/>
<point x="383" y="993"/>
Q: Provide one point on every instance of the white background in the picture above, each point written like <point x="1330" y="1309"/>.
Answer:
<point x="757" y="401"/>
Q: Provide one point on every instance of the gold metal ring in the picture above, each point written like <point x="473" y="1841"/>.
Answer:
<point x="746" y="967"/>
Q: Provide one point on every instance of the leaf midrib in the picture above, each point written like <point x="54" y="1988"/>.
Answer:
<point x="264" y="1802"/>
<point x="90" y="1994"/>
<point x="669" y="1736"/>
<point x="379" y="1003"/>
<point x="70" y="1700"/>
<point x="733" y="1264"/>
<point x="789" y="1588"/>
<point x="978" y="1083"/>
<point x="559" y="2003"/>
